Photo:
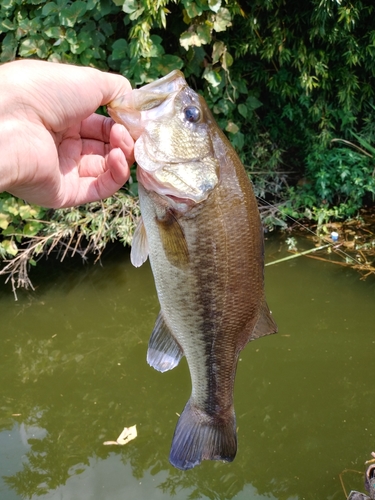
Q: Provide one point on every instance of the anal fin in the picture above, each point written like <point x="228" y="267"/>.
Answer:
<point x="265" y="324"/>
<point x="164" y="353"/>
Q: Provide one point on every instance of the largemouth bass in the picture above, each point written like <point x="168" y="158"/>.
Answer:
<point x="201" y="229"/>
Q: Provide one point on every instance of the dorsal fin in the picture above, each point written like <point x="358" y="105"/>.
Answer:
<point x="173" y="239"/>
<point x="139" y="250"/>
<point x="164" y="352"/>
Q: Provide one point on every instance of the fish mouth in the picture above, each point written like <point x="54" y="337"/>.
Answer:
<point x="147" y="103"/>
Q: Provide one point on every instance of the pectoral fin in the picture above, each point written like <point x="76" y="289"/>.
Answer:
<point x="164" y="353"/>
<point x="139" y="251"/>
<point x="265" y="324"/>
<point x="173" y="239"/>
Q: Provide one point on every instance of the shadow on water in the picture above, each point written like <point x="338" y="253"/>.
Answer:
<point x="73" y="374"/>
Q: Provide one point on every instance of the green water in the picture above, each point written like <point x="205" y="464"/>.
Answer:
<point x="73" y="374"/>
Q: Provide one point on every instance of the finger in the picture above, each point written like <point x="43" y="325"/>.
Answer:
<point x="112" y="86"/>
<point x="94" y="147"/>
<point x="121" y="138"/>
<point x="97" y="130"/>
<point x="96" y="127"/>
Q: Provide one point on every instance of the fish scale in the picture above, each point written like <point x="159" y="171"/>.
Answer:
<point x="201" y="230"/>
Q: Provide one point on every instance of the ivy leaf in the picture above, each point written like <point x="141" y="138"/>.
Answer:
<point x="168" y="63"/>
<point x="253" y="103"/>
<point x="217" y="51"/>
<point x="54" y="32"/>
<point x="204" y="33"/>
<point x="6" y="25"/>
<point x="120" y="49"/>
<point x="32" y="46"/>
<point x="71" y="36"/>
<point x="232" y="128"/>
<point x="212" y="77"/>
<point x="226" y="60"/>
<point x="50" y="8"/>
<point x="28" y="211"/>
<point x="133" y="8"/>
<point x="242" y="109"/>
<point x="192" y="8"/>
<point x="10" y="247"/>
<point x="10" y="206"/>
<point x="222" y="20"/>
<point x="32" y="228"/>
<point x="129" y="6"/>
<point x="70" y="15"/>
<point x="4" y="221"/>
<point x="214" y="5"/>
<point x="8" y="47"/>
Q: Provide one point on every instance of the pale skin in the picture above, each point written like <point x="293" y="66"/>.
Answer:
<point x="54" y="150"/>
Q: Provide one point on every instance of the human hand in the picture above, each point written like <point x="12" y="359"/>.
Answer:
<point x="55" y="151"/>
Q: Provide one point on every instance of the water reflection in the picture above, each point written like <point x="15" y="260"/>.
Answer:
<point x="73" y="372"/>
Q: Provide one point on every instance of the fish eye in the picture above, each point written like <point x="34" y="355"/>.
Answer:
<point x="192" y="114"/>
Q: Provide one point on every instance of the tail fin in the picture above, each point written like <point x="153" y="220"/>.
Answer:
<point x="199" y="437"/>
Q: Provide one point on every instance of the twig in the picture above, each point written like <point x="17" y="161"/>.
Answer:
<point x="294" y="256"/>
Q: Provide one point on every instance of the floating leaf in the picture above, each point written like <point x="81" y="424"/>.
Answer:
<point x="128" y="434"/>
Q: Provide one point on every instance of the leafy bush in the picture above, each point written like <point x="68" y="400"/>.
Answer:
<point x="282" y="78"/>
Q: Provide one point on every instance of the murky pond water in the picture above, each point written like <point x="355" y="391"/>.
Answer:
<point x="73" y="373"/>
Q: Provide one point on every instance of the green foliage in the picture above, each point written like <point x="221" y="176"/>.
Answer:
<point x="338" y="182"/>
<point x="283" y="79"/>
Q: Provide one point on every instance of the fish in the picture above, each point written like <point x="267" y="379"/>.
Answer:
<point x="201" y="230"/>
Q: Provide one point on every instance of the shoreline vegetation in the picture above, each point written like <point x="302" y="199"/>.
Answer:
<point x="290" y="84"/>
<point x="31" y="234"/>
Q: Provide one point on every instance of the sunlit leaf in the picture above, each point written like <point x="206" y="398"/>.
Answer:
<point x="32" y="228"/>
<point x="214" y="5"/>
<point x="217" y="51"/>
<point x="232" y="128"/>
<point x="130" y="6"/>
<point x="226" y="60"/>
<point x="10" y="247"/>
<point x="4" y="221"/>
<point x="192" y="8"/>
<point x="212" y="77"/>
<point x="223" y="20"/>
